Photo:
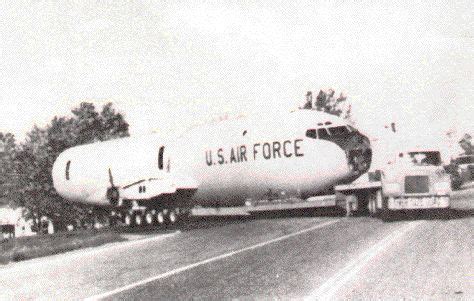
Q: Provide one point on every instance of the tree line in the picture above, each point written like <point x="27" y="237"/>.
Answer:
<point x="25" y="167"/>
<point x="327" y="101"/>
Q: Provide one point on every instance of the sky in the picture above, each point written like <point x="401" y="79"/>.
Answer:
<point x="170" y="64"/>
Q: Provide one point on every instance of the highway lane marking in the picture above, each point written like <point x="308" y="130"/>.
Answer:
<point x="345" y="275"/>
<point x="90" y="251"/>
<point x="206" y="261"/>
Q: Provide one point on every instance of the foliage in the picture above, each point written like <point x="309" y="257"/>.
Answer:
<point x="326" y="101"/>
<point x="34" y="159"/>
<point x="7" y="154"/>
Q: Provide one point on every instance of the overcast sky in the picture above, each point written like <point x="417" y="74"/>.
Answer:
<point x="171" y="64"/>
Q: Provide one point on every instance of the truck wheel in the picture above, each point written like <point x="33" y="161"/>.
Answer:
<point x="372" y="203"/>
<point x="375" y="198"/>
<point x="351" y="204"/>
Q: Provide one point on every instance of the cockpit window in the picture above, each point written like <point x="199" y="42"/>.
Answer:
<point x="323" y="134"/>
<point x="339" y="131"/>
<point x="311" y="134"/>
<point x="327" y="133"/>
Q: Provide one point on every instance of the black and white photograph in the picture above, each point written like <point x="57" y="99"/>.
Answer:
<point x="236" y="150"/>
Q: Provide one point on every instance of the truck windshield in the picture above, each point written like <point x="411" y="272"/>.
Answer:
<point x="425" y="158"/>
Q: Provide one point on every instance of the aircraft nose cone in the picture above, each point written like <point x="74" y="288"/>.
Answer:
<point x="359" y="153"/>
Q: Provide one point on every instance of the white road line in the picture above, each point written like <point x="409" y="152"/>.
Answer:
<point x="80" y="253"/>
<point x="206" y="261"/>
<point x="345" y="275"/>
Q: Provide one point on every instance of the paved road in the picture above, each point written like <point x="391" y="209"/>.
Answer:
<point x="416" y="256"/>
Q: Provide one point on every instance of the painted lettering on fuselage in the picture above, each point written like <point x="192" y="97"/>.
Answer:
<point x="257" y="151"/>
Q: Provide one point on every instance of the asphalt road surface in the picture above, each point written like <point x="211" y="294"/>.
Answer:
<point x="428" y="256"/>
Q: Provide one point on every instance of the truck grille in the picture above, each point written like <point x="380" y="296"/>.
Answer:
<point x="471" y="170"/>
<point x="417" y="184"/>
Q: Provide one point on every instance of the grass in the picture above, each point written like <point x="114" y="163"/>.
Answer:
<point x="23" y="248"/>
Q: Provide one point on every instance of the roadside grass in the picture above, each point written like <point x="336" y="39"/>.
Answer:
<point x="23" y="248"/>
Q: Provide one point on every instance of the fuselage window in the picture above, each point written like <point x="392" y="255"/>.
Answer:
<point x="68" y="165"/>
<point x="323" y="134"/>
<point x="160" y="157"/>
<point x="311" y="134"/>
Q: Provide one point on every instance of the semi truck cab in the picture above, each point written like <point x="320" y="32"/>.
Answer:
<point x="416" y="179"/>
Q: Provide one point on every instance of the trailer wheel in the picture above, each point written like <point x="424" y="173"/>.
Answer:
<point x="138" y="219"/>
<point x="172" y="217"/>
<point x="149" y="218"/>
<point x="160" y="217"/>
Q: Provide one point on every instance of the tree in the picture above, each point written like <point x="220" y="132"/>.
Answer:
<point x="7" y="154"/>
<point x="91" y="126"/>
<point x="35" y="157"/>
<point x="113" y="124"/>
<point x="33" y="186"/>
<point x="309" y="101"/>
<point x="327" y="102"/>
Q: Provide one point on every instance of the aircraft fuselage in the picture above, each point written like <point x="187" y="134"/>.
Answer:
<point x="301" y="154"/>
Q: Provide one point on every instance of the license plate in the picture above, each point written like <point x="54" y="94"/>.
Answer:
<point x="417" y="203"/>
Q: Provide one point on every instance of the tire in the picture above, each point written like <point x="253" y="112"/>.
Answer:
<point x="372" y="203"/>
<point x="160" y="218"/>
<point x="139" y="219"/>
<point x="375" y="197"/>
<point x="351" y="200"/>
<point x="172" y="217"/>
<point x="149" y="218"/>
<point x="128" y="220"/>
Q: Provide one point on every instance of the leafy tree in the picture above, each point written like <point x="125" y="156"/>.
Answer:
<point x="326" y="101"/>
<point x="309" y="101"/>
<point x="7" y="154"/>
<point x="113" y="124"/>
<point x="35" y="157"/>
<point x="33" y="185"/>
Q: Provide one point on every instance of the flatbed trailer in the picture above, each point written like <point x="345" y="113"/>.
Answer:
<point x="265" y="205"/>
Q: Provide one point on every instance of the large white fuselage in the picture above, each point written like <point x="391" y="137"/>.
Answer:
<point x="230" y="161"/>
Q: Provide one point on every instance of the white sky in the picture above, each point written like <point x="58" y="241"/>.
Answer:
<point x="172" y="64"/>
